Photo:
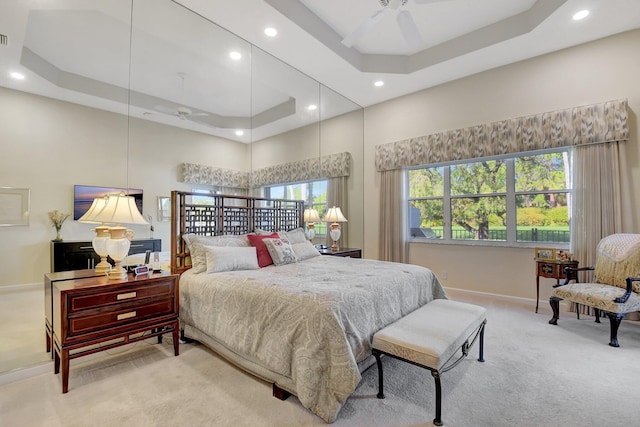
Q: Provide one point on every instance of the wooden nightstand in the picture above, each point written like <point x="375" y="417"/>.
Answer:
<point x="105" y="314"/>
<point x="343" y="252"/>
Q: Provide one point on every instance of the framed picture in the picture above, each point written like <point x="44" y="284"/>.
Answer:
<point x="547" y="254"/>
<point x="164" y="208"/>
<point x="14" y="206"/>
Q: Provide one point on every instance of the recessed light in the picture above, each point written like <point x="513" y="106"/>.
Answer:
<point x="312" y="107"/>
<point x="239" y="132"/>
<point x="235" y="55"/>
<point x="270" y="32"/>
<point x="580" y="15"/>
<point x="17" y="76"/>
<point x="378" y="83"/>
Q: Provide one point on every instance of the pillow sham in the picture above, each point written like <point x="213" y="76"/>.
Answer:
<point x="294" y="236"/>
<point x="305" y="250"/>
<point x="195" y="243"/>
<point x="281" y="251"/>
<point x="221" y="258"/>
<point x="264" y="258"/>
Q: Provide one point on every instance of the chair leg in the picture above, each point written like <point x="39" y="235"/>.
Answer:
<point x="481" y="346"/>
<point x="554" y="302"/>
<point x="380" y="376"/>
<point x="614" y="320"/>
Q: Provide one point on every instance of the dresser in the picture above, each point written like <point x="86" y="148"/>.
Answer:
<point x="79" y="255"/>
<point x="95" y="314"/>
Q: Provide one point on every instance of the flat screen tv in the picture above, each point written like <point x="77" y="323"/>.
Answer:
<point x="83" y="196"/>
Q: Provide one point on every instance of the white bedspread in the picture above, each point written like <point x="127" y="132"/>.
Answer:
<point x="311" y="321"/>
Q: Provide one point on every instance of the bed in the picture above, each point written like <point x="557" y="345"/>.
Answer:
<point x="304" y="325"/>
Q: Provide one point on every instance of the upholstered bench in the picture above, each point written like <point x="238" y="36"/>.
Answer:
<point x="430" y="337"/>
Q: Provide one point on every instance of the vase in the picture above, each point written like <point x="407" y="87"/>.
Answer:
<point x="58" y="236"/>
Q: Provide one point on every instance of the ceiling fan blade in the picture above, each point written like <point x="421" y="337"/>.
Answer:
<point x="409" y="29"/>
<point x="165" y="109"/>
<point x="364" y="26"/>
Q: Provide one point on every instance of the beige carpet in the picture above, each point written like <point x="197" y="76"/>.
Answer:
<point x="535" y="374"/>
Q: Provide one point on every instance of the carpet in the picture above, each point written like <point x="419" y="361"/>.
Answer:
<point x="535" y="374"/>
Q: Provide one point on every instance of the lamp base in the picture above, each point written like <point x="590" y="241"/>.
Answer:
<point x="118" y="272"/>
<point x="103" y="267"/>
<point x="335" y="246"/>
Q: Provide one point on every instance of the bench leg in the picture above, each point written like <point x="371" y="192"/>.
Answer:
<point x="481" y="345"/>
<point x="438" y="419"/>
<point x="614" y="320"/>
<point x="380" y="376"/>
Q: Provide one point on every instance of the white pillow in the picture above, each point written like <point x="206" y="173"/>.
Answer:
<point x="281" y="251"/>
<point x="221" y="259"/>
<point x="195" y="243"/>
<point x="293" y="236"/>
<point x="305" y="250"/>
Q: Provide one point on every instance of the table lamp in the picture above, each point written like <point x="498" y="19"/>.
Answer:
<point x="335" y="216"/>
<point x="310" y="217"/>
<point x="99" y="243"/>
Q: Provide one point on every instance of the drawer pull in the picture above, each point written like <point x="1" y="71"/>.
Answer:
<point x="126" y="315"/>
<point x="126" y="296"/>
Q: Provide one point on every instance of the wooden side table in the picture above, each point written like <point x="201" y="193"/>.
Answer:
<point x="552" y="269"/>
<point x="96" y="314"/>
<point x="343" y="252"/>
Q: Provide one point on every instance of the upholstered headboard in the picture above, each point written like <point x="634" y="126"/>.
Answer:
<point x="218" y="214"/>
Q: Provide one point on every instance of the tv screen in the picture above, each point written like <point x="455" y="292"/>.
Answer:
<point x="83" y="196"/>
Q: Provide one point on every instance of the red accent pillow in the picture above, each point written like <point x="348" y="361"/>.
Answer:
<point x="264" y="258"/>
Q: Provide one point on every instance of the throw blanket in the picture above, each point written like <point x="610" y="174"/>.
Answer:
<point x="310" y="321"/>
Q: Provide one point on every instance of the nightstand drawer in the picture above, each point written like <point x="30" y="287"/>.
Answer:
<point x="94" y="300"/>
<point x="119" y="315"/>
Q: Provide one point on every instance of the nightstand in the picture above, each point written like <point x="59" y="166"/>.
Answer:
<point x="96" y="314"/>
<point x="343" y="252"/>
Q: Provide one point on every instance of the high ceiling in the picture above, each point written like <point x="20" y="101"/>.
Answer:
<point x="172" y="66"/>
<point x="460" y="37"/>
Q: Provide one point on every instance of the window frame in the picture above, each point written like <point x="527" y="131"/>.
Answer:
<point x="510" y="194"/>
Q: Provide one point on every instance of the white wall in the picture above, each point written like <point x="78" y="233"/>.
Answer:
<point x="49" y="146"/>
<point x="594" y="72"/>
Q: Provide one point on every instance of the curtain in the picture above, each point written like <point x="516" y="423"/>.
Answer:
<point x="337" y="196"/>
<point x="597" y="208"/>
<point x="392" y="238"/>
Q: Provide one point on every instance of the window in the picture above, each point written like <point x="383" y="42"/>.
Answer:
<point x="314" y="194"/>
<point x="514" y="200"/>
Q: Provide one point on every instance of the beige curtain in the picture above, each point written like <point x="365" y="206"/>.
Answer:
<point x="392" y="239"/>
<point x="337" y="196"/>
<point x="597" y="200"/>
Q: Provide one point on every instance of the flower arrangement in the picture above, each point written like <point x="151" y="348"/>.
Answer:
<point x="57" y="219"/>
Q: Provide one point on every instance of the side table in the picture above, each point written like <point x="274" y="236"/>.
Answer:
<point x="553" y="269"/>
<point x="343" y="252"/>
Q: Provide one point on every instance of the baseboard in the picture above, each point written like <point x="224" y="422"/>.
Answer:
<point x="20" y="374"/>
<point x="487" y="297"/>
<point x="21" y="287"/>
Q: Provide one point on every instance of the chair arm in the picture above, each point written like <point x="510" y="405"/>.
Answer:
<point x="627" y="292"/>
<point x="571" y="273"/>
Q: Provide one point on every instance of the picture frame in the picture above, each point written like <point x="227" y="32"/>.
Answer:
<point x="546" y="254"/>
<point x="15" y="204"/>
<point x="164" y="208"/>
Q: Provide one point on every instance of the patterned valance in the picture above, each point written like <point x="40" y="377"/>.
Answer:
<point x="201" y="174"/>
<point x="330" y="166"/>
<point x="588" y="124"/>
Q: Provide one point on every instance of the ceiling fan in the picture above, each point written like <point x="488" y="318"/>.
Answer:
<point x="405" y="21"/>
<point x="180" y="111"/>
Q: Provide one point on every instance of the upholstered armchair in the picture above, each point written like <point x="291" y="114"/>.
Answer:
<point x="615" y="290"/>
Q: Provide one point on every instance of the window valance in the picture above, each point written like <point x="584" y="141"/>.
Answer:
<point x="330" y="166"/>
<point x="603" y="122"/>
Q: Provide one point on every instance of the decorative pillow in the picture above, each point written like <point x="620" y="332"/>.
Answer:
<point x="281" y="251"/>
<point x="294" y="236"/>
<point x="195" y="243"/>
<point x="230" y="259"/>
<point x="305" y="250"/>
<point x="264" y="258"/>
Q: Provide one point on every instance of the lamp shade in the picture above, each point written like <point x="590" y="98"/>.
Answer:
<point x="334" y="215"/>
<point x="311" y="215"/>
<point x="120" y="209"/>
<point x="95" y="208"/>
